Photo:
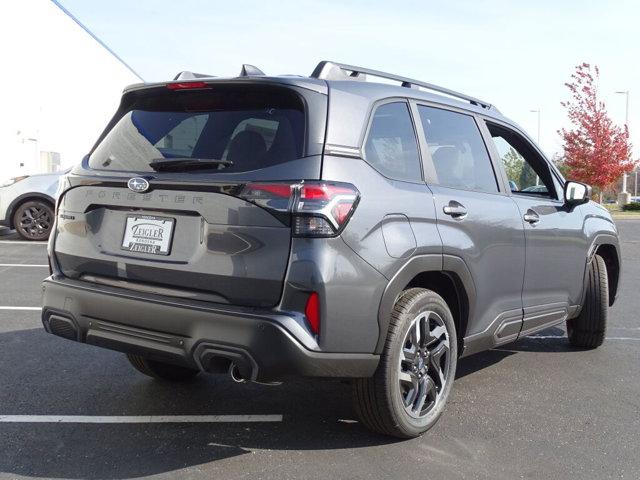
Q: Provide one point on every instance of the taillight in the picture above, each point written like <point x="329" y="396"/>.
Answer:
<point x="312" y="312"/>
<point x="187" y="85"/>
<point x="323" y="209"/>
<point x="319" y="209"/>
<point x="275" y="196"/>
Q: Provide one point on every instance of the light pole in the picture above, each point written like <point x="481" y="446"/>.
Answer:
<point x="538" y="112"/>
<point x="624" y="195"/>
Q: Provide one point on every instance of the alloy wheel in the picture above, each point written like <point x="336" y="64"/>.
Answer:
<point x="35" y="221"/>
<point x="424" y="364"/>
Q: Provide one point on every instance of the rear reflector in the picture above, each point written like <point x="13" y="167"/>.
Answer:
<point x="312" y="312"/>
<point x="186" y="85"/>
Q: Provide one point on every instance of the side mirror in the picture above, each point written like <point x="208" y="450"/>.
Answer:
<point x="576" y="193"/>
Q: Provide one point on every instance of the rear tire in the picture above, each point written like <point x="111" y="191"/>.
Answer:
<point x="162" y="371"/>
<point x="33" y="220"/>
<point x="408" y="392"/>
<point x="588" y="329"/>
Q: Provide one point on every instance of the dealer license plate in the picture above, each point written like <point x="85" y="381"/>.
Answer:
<point x="148" y="234"/>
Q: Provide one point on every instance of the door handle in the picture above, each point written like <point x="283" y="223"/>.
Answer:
<point x="455" y="209"/>
<point x="531" y="217"/>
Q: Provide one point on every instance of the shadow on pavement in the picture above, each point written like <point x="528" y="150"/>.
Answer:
<point x="46" y="375"/>
<point x="129" y="451"/>
<point x="65" y="378"/>
<point x="479" y="361"/>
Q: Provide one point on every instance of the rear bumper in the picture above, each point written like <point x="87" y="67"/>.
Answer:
<point x="265" y="345"/>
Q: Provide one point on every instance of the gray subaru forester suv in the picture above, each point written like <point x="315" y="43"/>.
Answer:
<point x="323" y="226"/>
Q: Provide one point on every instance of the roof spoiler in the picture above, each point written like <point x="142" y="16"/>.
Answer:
<point x="186" y="75"/>
<point x="250" y="71"/>
<point x="246" y="71"/>
<point x="327" y="70"/>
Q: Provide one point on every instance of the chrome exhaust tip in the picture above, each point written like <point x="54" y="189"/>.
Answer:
<point x="234" y="373"/>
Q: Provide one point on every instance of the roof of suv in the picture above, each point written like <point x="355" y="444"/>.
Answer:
<point x="356" y="81"/>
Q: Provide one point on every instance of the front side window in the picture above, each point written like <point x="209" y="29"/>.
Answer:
<point x="527" y="172"/>
<point x="391" y="146"/>
<point x="460" y="157"/>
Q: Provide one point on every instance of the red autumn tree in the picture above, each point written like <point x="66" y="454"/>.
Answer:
<point x="596" y="151"/>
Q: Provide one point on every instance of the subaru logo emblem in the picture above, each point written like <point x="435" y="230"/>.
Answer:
<point x="138" y="185"/>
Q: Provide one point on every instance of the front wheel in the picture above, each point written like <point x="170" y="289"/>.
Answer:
<point x="588" y="329"/>
<point x="409" y="390"/>
<point x="33" y="220"/>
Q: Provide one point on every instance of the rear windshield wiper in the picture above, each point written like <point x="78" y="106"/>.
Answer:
<point x="187" y="163"/>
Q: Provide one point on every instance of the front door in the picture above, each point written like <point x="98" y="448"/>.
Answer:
<point x="478" y="222"/>
<point x="556" y="248"/>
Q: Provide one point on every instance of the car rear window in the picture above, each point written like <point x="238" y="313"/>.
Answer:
<point x="248" y="127"/>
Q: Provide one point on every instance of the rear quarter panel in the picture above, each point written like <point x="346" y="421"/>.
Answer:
<point x="388" y="213"/>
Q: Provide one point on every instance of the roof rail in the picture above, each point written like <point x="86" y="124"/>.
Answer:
<point x="327" y="70"/>
<point x="186" y="75"/>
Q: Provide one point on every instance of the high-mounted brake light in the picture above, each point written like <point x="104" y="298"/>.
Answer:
<point x="186" y="85"/>
<point x="319" y="209"/>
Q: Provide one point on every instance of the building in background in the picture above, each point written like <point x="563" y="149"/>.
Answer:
<point x="49" y="162"/>
<point x="60" y="86"/>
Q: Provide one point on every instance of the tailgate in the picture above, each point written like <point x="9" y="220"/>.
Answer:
<point x="203" y="245"/>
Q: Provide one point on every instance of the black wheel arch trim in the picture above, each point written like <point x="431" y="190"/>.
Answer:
<point x="413" y="267"/>
<point x="598" y="241"/>
<point x="25" y="197"/>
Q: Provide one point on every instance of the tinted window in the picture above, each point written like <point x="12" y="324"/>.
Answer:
<point x="459" y="155"/>
<point x="181" y="140"/>
<point x="527" y="172"/>
<point x="253" y="128"/>
<point x="391" y="146"/>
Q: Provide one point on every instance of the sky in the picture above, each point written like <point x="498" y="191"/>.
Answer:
<point x="60" y="87"/>
<point x="516" y="55"/>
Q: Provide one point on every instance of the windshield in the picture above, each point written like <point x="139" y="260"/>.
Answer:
<point x="242" y="127"/>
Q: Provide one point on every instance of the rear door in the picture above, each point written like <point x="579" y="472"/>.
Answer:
<point x="181" y="196"/>
<point x="477" y="221"/>
<point x="556" y="246"/>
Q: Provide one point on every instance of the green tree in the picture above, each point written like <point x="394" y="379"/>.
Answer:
<point x="513" y="164"/>
<point x="559" y="161"/>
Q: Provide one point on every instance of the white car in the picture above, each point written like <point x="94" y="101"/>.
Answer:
<point x="27" y="204"/>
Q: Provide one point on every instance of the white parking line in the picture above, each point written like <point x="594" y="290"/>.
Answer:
<point x="22" y="242"/>
<point x="139" y="419"/>
<point x="20" y="308"/>
<point x="23" y="265"/>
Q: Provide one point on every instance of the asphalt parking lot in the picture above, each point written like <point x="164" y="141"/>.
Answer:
<point x="533" y="409"/>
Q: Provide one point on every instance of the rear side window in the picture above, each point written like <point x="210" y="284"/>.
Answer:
<point x="459" y="155"/>
<point x="391" y="146"/>
<point x="250" y="128"/>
